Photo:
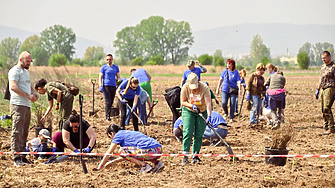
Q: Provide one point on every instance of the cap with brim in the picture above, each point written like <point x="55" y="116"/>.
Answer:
<point x="45" y="133"/>
<point x="189" y="63"/>
<point x="193" y="81"/>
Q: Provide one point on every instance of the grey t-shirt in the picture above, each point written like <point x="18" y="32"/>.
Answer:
<point x="23" y="81"/>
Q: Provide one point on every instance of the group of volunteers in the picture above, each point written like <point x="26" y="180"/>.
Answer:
<point x="134" y="92"/>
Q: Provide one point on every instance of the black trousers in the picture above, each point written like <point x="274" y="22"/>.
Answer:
<point x="109" y="93"/>
<point x="123" y="109"/>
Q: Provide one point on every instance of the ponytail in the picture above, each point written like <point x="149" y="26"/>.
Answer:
<point x="131" y="80"/>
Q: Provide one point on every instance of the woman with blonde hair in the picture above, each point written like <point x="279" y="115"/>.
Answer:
<point x="243" y="74"/>
<point x="128" y="92"/>
<point x="271" y="68"/>
<point x="255" y="91"/>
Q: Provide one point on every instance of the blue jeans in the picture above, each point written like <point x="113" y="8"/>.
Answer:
<point x="256" y="109"/>
<point x="236" y="105"/>
<point x="224" y="97"/>
<point x="209" y="134"/>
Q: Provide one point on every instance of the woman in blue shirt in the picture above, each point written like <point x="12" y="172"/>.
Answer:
<point x="107" y="83"/>
<point x="231" y="74"/>
<point x="133" y="142"/>
<point x="128" y="92"/>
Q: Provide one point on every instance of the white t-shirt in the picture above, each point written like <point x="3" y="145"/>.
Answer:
<point x="23" y="81"/>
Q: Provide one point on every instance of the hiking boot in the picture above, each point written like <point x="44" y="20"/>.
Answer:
<point x="196" y="160"/>
<point x="185" y="160"/>
<point x="145" y="169"/>
<point x="158" y="166"/>
<point x="18" y="162"/>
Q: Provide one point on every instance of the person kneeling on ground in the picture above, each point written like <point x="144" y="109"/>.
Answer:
<point x="40" y="144"/>
<point x="220" y="126"/>
<point x="70" y="136"/>
<point x="133" y="142"/>
<point x="178" y="129"/>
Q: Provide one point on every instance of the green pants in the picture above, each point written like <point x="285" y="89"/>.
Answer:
<point x="327" y="100"/>
<point x="192" y="123"/>
<point x="65" y="109"/>
<point x="147" y="87"/>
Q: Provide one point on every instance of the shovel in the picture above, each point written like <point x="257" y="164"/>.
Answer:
<point x="138" y="118"/>
<point x="242" y="102"/>
<point x="153" y="105"/>
<point x="91" y="113"/>
<point x="230" y="151"/>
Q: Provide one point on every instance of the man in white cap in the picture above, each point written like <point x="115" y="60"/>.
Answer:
<point x="195" y="98"/>
<point x="192" y="69"/>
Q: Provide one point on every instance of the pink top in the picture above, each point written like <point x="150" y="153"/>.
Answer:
<point x="275" y="91"/>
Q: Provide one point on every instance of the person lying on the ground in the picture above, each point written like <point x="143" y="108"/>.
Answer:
<point x="40" y="144"/>
<point x="132" y="142"/>
<point x="178" y="129"/>
<point x="69" y="137"/>
<point x="220" y="126"/>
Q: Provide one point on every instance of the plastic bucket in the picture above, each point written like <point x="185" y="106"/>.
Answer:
<point x="277" y="161"/>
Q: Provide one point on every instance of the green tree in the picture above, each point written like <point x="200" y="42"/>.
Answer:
<point x="93" y="55"/>
<point x="205" y="59"/>
<point x="30" y="43"/>
<point x="218" y="61"/>
<point x="57" y="60"/>
<point x="128" y="43"/>
<point x="276" y="62"/>
<point x="59" y="39"/>
<point x="303" y="60"/>
<point x="319" y="47"/>
<point x="137" y="61"/>
<point x="157" y="60"/>
<point x="9" y="51"/>
<point x="179" y="39"/>
<point x="40" y="56"/>
<point x="265" y="60"/>
<point x="217" y="53"/>
<point x="258" y="50"/>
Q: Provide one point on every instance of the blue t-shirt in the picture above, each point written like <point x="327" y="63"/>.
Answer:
<point x="109" y="74"/>
<point x="126" y="138"/>
<point x="196" y="70"/>
<point x="217" y="119"/>
<point x="131" y="93"/>
<point x="141" y="75"/>
<point x="233" y="78"/>
<point x="178" y="122"/>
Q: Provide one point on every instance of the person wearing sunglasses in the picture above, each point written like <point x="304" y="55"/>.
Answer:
<point x="128" y="93"/>
<point x="70" y="136"/>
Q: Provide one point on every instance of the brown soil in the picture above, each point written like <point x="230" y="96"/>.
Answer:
<point x="302" y="110"/>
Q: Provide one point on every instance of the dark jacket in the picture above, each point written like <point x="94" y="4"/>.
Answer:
<point x="252" y="85"/>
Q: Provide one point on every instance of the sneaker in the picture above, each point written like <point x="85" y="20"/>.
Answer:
<point x="158" y="166"/>
<point x="145" y="169"/>
<point x="262" y="118"/>
<point x="196" y="160"/>
<point x="225" y="116"/>
<point x="275" y="126"/>
<point x="18" y="162"/>
<point x="328" y="132"/>
<point x="231" y="121"/>
<point x="25" y="160"/>
<point x="185" y="160"/>
<point x="108" y="118"/>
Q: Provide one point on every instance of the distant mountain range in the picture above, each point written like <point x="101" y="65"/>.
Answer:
<point x="235" y="39"/>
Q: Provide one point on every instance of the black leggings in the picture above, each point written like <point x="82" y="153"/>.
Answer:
<point x="109" y="93"/>
<point x="123" y="109"/>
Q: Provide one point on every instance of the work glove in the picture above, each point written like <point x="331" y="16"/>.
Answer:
<point x="76" y="151"/>
<point x="208" y="120"/>
<point x="248" y="97"/>
<point x="101" y="89"/>
<point x="195" y="108"/>
<point x="27" y="148"/>
<point x="244" y="85"/>
<point x="317" y="94"/>
<point x="124" y="102"/>
<point x="87" y="149"/>
<point x="53" y="149"/>
<point x="133" y="109"/>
